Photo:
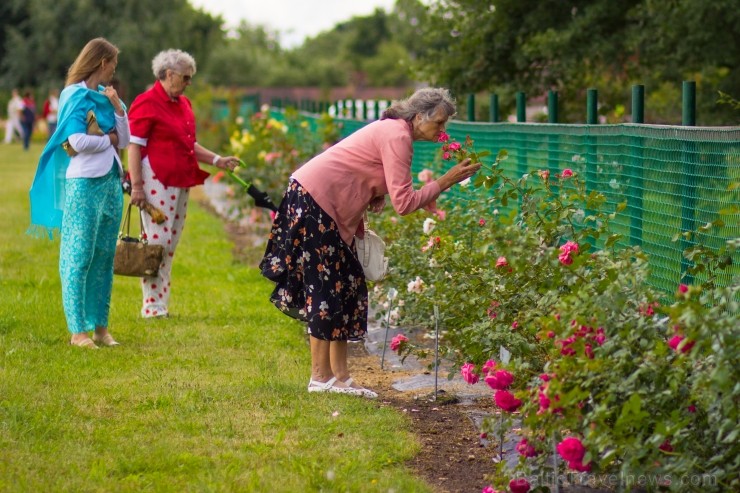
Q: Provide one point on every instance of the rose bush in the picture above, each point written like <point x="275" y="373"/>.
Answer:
<point x="617" y="377"/>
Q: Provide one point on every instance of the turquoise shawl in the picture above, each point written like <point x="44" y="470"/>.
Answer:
<point x="47" y="190"/>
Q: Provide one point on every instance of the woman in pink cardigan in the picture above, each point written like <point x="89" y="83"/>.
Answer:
<point x="311" y="254"/>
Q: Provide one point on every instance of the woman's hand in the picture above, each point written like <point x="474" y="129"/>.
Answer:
<point x="227" y="162"/>
<point x="377" y="204"/>
<point x="461" y="171"/>
<point x="112" y="96"/>
<point x="138" y="198"/>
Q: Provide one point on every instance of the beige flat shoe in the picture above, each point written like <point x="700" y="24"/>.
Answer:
<point x="106" y="340"/>
<point x="86" y="343"/>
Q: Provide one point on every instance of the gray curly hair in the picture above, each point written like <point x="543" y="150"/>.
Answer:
<point x="425" y="101"/>
<point x="177" y="60"/>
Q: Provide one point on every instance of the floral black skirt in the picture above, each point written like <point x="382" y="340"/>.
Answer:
<point x="318" y="277"/>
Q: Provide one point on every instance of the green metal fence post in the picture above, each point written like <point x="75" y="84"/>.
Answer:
<point x="521" y="107"/>
<point x="364" y="109"/>
<point x="591" y="159"/>
<point x="471" y="107"/>
<point x="592" y="107"/>
<point x="634" y="198"/>
<point x="353" y="108"/>
<point x="521" y="116"/>
<point x="493" y="110"/>
<point x="376" y="109"/>
<point x="690" y="159"/>
<point x="689" y="104"/>
<point x="552" y="106"/>
<point x="553" y="140"/>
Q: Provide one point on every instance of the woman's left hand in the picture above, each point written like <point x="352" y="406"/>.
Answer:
<point x="227" y="162"/>
<point x="377" y="204"/>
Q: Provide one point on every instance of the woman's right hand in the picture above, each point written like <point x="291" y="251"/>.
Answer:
<point x="461" y="171"/>
<point x="138" y="198"/>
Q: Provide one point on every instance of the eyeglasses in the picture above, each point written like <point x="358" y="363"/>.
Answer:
<point x="185" y="78"/>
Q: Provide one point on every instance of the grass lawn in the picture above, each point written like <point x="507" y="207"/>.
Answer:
<point x="211" y="399"/>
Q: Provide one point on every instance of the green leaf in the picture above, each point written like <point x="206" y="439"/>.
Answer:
<point x="502" y="155"/>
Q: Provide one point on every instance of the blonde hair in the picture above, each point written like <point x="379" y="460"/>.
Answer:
<point x="425" y="102"/>
<point x="89" y="60"/>
<point x="176" y="60"/>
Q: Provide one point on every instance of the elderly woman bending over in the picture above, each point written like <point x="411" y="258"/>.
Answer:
<point x="311" y="254"/>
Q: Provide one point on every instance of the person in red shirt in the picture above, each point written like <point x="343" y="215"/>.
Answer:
<point x="163" y="162"/>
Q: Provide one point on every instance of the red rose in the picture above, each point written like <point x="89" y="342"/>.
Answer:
<point x="519" y="485"/>
<point x="506" y="400"/>
<point x="571" y="449"/>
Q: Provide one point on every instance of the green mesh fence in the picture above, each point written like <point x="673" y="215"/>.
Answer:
<point x="673" y="179"/>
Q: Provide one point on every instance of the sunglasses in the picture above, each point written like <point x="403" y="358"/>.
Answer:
<point x="185" y="78"/>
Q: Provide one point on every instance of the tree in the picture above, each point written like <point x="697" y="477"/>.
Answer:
<point x="568" y="45"/>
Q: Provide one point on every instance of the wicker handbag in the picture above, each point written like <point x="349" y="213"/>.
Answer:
<point x="135" y="257"/>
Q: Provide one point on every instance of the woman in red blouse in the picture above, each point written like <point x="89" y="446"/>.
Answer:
<point x="163" y="162"/>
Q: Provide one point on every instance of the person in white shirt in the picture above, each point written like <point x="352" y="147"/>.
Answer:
<point x="13" y="123"/>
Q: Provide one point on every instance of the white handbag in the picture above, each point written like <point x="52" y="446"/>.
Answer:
<point x="371" y="254"/>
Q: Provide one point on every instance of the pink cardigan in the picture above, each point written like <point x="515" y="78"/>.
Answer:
<point x="372" y="162"/>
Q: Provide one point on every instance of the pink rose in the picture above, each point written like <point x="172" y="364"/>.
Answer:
<point x="441" y="214"/>
<point x="676" y="343"/>
<point x="481" y="222"/>
<point x="544" y="175"/>
<point x="397" y="341"/>
<point x="569" y="247"/>
<point x="565" y="259"/>
<point x="468" y="373"/>
<point x="691" y="408"/>
<point x="571" y="450"/>
<point x="544" y="403"/>
<point x="600" y="337"/>
<point x="501" y="262"/>
<point x="683" y="288"/>
<point x="579" y="466"/>
<point x="446" y="156"/>
<point x="567" y="173"/>
<point x="443" y="137"/>
<point x="514" y="325"/>
<point x="488" y="489"/>
<point x="455" y="146"/>
<point x="519" y="485"/>
<point x="525" y="449"/>
<point x="488" y="366"/>
<point x="666" y="446"/>
<point x="589" y="351"/>
<point x="550" y="334"/>
<point x="499" y="380"/>
<point x="506" y="400"/>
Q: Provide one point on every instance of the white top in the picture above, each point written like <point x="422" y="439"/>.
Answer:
<point x="53" y="109"/>
<point x="96" y="153"/>
<point x="15" y="106"/>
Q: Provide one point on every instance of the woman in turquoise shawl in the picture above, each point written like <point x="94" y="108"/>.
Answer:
<point x="77" y="188"/>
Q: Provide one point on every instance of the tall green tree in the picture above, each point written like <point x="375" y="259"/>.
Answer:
<point x="568" y="45"/>
<point x="50" y="34"/>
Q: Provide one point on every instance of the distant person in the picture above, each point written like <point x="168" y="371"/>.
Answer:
<point x="50" y="111"/>
<point x="78" y="188"/>
<point x="163" y="165"/>
<point x="311" y="253"/>
<point x="13" y="123"/>
<point x="28" y="118"/>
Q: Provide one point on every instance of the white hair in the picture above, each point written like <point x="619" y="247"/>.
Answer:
<point x="177" y="60"/>
<point x="424" y="102"/>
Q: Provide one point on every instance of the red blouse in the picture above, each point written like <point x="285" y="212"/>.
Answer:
<point x="169" y="129"/>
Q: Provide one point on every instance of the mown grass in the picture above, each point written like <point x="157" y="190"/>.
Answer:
<point x="211" y="399"/>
